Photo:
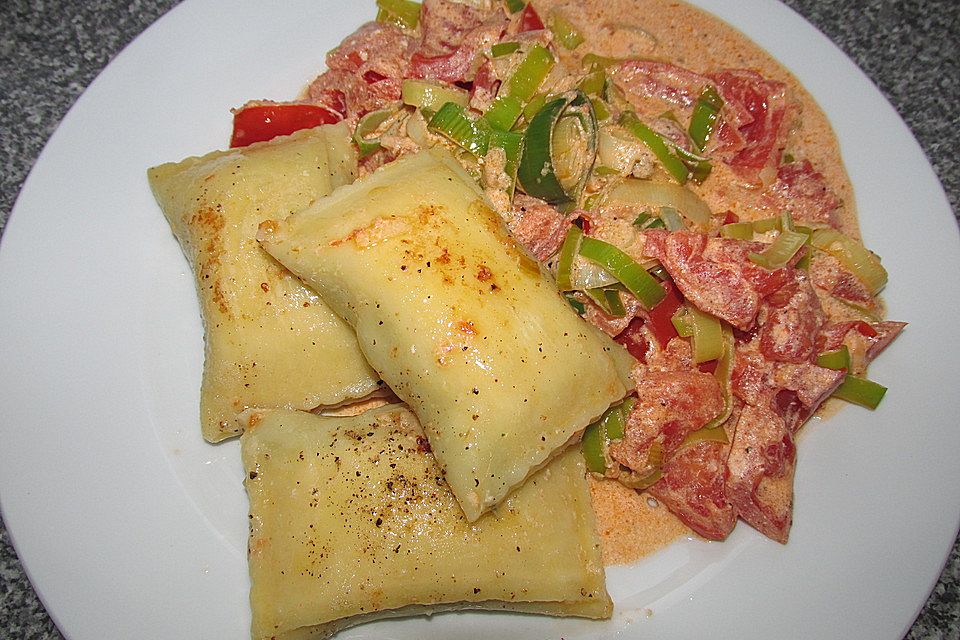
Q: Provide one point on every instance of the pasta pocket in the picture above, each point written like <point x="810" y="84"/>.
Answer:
<point x="456" y="318"/>
<point x="351" y="520"/>
<point x="269" y="340"/>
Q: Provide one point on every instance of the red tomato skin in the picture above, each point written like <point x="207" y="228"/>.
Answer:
<point x="265" y="122"/>
<point x="661" y="316"/>
<point x="530" y="20"/>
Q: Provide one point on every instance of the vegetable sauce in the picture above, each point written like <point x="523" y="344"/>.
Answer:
<point x="632" y="524"/>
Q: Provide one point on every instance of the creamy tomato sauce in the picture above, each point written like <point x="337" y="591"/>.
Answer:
<point x="632" y="524"/>
<point x="691" y="38"/>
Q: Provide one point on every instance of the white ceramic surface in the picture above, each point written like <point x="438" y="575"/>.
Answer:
<point x="129" y="525"/>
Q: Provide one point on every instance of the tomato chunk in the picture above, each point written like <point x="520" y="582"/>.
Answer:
<point x="530" y="20"/>
<point x="261" y="123"/>
<point x="661" y="316"/>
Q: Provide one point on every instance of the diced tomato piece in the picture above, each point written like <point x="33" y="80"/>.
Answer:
<point x="763" y="111"/>
<point x="584" y="224"/>
<point x="660" y="80"/>
<point x="692" y="488"/>
<point x="261" y="123"/>
<point x="805" y="192"/>
<point x="633" y="340"/>
<point x="530" y="20"/>
<point x="720" y="289"/>
<point x="730" y="217"/>
<point x="660" y="317"/>
<point x="451" y="68"/>
<point x="670" y="406"/>
<point x="865" y="329"/>
<point x="791" y="322"/>
<point x="444" y="24"/>
<point x="760" y="471"/>
<point x="376" y="46"/>
<point x="708" y="367"/>
<point x="372" y="76"/>
<point x="484" y="87"/>
<point x="539" y="227"/>
<point x="333" y="99"/>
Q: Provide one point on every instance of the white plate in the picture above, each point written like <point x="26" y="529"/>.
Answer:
<point x="130" y="526"/>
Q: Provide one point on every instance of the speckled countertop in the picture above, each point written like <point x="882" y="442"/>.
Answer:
<point x="50" y="50"/>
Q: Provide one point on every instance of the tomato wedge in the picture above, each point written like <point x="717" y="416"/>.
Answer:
<point x="261" y="123"/>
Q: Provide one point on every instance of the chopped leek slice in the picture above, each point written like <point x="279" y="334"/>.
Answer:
<point x="404" y="13"/>
<point x="609" y="300"/>
<point x="571" y="151"/>
<point x="786" y="221"/>
<point x="658" y="271"/>
<point x="670" y="161"/>
<point x="766" y="225"/>
<point x="597" y="437"/>
<point x="564" y="32"/>
<point x="559" y="149"/>
<point x="839" y="359"/>
<point x="503" y="49"/>
<point x="600" y="108"/>
<point x="706" y="114"/>
<point x="737" y="230"/>
<point x="536" y="172"/>
<point x="705" y="331"/>
<point x="594" y="83"/>
<point x="576" y="304"/>
<point x="530" y="73"/>
<point x="585" y="274"/>
<point x="870" y="315"/>
<point x="707" y="335"/>
<point x="647" y="221"/>
<point x="781" y="252"/>
<point x="534" y="106"/>
<point x="619" y="150"/>
<point x="367" y="125"/>
<point x="706" y="434"/>
<point x="599" y="63"/>
<point x="592" y="447"/>
<point x="592" y="201"/>
<point x="605" y="171"/>
<point x="640" y="482"/>
<point x="513" y="6"/>
<point x="699" y="166"/>
<point x="426" y="94"/>
<point x="634" y="277"/>
<point x="724" y="375"/>
<point x="511" y="142"/>
<point x="856" y="258"/>
<point x="671" y="219"/>
<point x="568" y="251"/>
<point x="453" y="122"/>
<point x="663" y="194"/>
<point x="860" y="391"/>
<point x="617" y="428"/>
<point x="503" y="113"/>
<point x="681" y="322"/>
<point x="700" y="171"/>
